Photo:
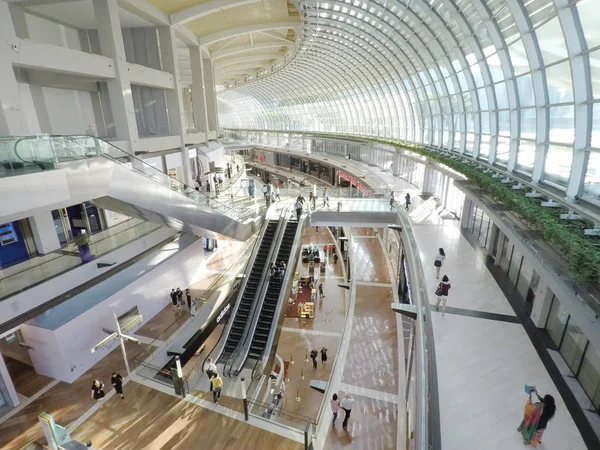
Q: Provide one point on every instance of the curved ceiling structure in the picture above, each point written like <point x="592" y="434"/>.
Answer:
<point x="262" y="30"/>
<point x="508" y="81"/>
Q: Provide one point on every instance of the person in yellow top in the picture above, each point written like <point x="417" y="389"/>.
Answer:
<point x="217" y="385"/>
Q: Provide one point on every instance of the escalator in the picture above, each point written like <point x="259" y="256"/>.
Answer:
<point x="75" y="169"/>
<point x="265" y="320"/>
<point x="248" y="297"/>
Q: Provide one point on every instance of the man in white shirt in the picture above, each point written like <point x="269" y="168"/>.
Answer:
<point x="346" y="405"/>
<point x="211" y="369"/>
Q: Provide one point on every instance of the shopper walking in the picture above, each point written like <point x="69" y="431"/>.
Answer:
<point x="276" y="190"/>
<point x="536" y="417"/>
<point x="217" y="385"/>
<point x="392" y="201"/>
<point x="438" y="262"/>
<point x="321" y="293"/>
<point x="313" y="356"/>
<point x="323" y="355"/>
<point x="442" y="293"/>
<point x="174" y="298"/>
<point x="98" y="392"/>
<point x="211" y="369"/>
<point x="335" y="258"/>
<point x="298" y="207"/>
<point x="325" y="197"/>
<point x="117" y="381"/>
<point x="407" y="201"/>
<point x="188" y="299"/>
<point x="179" y="298"/>
<point x="335" y="407"/>
<point x="346" y="405"/>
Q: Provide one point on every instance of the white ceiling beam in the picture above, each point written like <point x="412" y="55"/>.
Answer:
<point x="186" y="36"/>
<point x="259" y="27"/>
<point x="146" y="11"/>
<point x="205" y="9"/>
<point x="274" y="36"/>
<point x="223" y="53"/>
<point x="244" y="59"/>
<point x="27" y="3"/>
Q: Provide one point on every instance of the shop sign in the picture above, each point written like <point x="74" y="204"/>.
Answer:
<point x="223" y="312"/>
<point x="361" y="187"/>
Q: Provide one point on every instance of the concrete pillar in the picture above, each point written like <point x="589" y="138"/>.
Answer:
<point x="541" y="305"/>
<point x="119" y="89"/>
<point x="428" y="180"/>
<point x="170" y="63"/>
<point x="44" y="232"/>
<point x="198" y="91"/>
<point x="7" y="388"/>
<point x="10" y="116"/>
<point x="466" y="212"/>
<point x="211" y="94"/>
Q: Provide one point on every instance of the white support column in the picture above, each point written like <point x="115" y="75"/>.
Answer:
<point x="541" y="305"/>
<point x="211" y="94"/>
<point x="168" y="50"/>
<point x="428" y="176"/>
<point x="44" y="232"/>
<point x="7" y="387"/>
<point x="119" y="89"/>
<point x="198" y="91"/>
<point x="466" y="213"/>
<point x="10" y="116"/>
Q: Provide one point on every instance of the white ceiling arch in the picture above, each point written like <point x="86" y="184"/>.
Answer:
<point x="255" y="28"/>
<point x="205" y="9"/>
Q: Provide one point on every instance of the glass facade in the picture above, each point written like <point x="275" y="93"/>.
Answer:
<point x="581" y="357"/>
<point x="513" y="83"/>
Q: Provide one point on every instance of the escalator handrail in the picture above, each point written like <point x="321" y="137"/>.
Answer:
<point x="258" y="299"/>
<point x="245" y="345"/>
<point x="101" y="144"/>
<point x="282" y="302"/>
<point x="217" y="350"/>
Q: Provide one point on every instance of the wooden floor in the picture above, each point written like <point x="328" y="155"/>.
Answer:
<point x="66" y="402"/>
<point x="27" y="382"/>
<point x="151" y="420"/>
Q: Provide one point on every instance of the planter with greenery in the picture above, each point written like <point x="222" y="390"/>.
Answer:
<point x="578" y="250"/>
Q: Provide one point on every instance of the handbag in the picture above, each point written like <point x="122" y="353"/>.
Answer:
<point x="438" y="291"/>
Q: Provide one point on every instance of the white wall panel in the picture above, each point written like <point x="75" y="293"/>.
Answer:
<point x="70" y="111"/>
<point x="52" y="33"/>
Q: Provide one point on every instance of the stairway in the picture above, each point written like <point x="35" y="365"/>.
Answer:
<point x="265" y="320"/>
<point x="249" y="295"/>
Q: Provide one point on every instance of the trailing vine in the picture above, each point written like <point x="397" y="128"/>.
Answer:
<point x="582" y="256"/>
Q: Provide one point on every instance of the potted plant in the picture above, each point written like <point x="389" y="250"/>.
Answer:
<point x="83" y="245"/>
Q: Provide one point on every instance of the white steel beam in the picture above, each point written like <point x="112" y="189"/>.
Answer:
<point x="146" y="11"/>
<point x="248" y="48"/>
<point x="224" y="34"/>
<point x="245" y="59"/>
<point x="146" y="76"/>
<point x="205" y="9"/>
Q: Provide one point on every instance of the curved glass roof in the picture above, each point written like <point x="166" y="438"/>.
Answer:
<point x="513" y="82"/>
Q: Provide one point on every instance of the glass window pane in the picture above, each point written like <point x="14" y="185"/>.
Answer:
<point x="558" y="163"/>
<point x="572" y="346"/>
<point x="504" y="123"/>
<point x="515" y="266"/>
<point x="502" y="150"/>
<point x="560" y="85"/>
<point x="552" y="42"/>
<point x="501" y="96"/>
<point x="518" y="56"/>
<point x="592" y="176"/>
<point x="485" y="122"/>
<point x="589" y="375"/>
<point x="525" y="89"/>
<point x="595" y="70"/>
<point x="495" y="68"/>
<point x="596" y="126"/>
<point x="562" y="124"/>
<point x="526" y="155"/>
<point x="557" y="321"/>
<point x="528" y="123"/>
<point x="590" y="22"/>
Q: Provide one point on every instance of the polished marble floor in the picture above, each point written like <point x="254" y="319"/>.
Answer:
<point x="482" y="364"/>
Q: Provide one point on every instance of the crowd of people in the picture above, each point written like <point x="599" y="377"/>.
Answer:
<point x="277" y="270"/>
<point x="179" y="302"/>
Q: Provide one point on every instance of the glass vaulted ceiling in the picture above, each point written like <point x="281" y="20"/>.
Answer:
<point x="513" y="82"/>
